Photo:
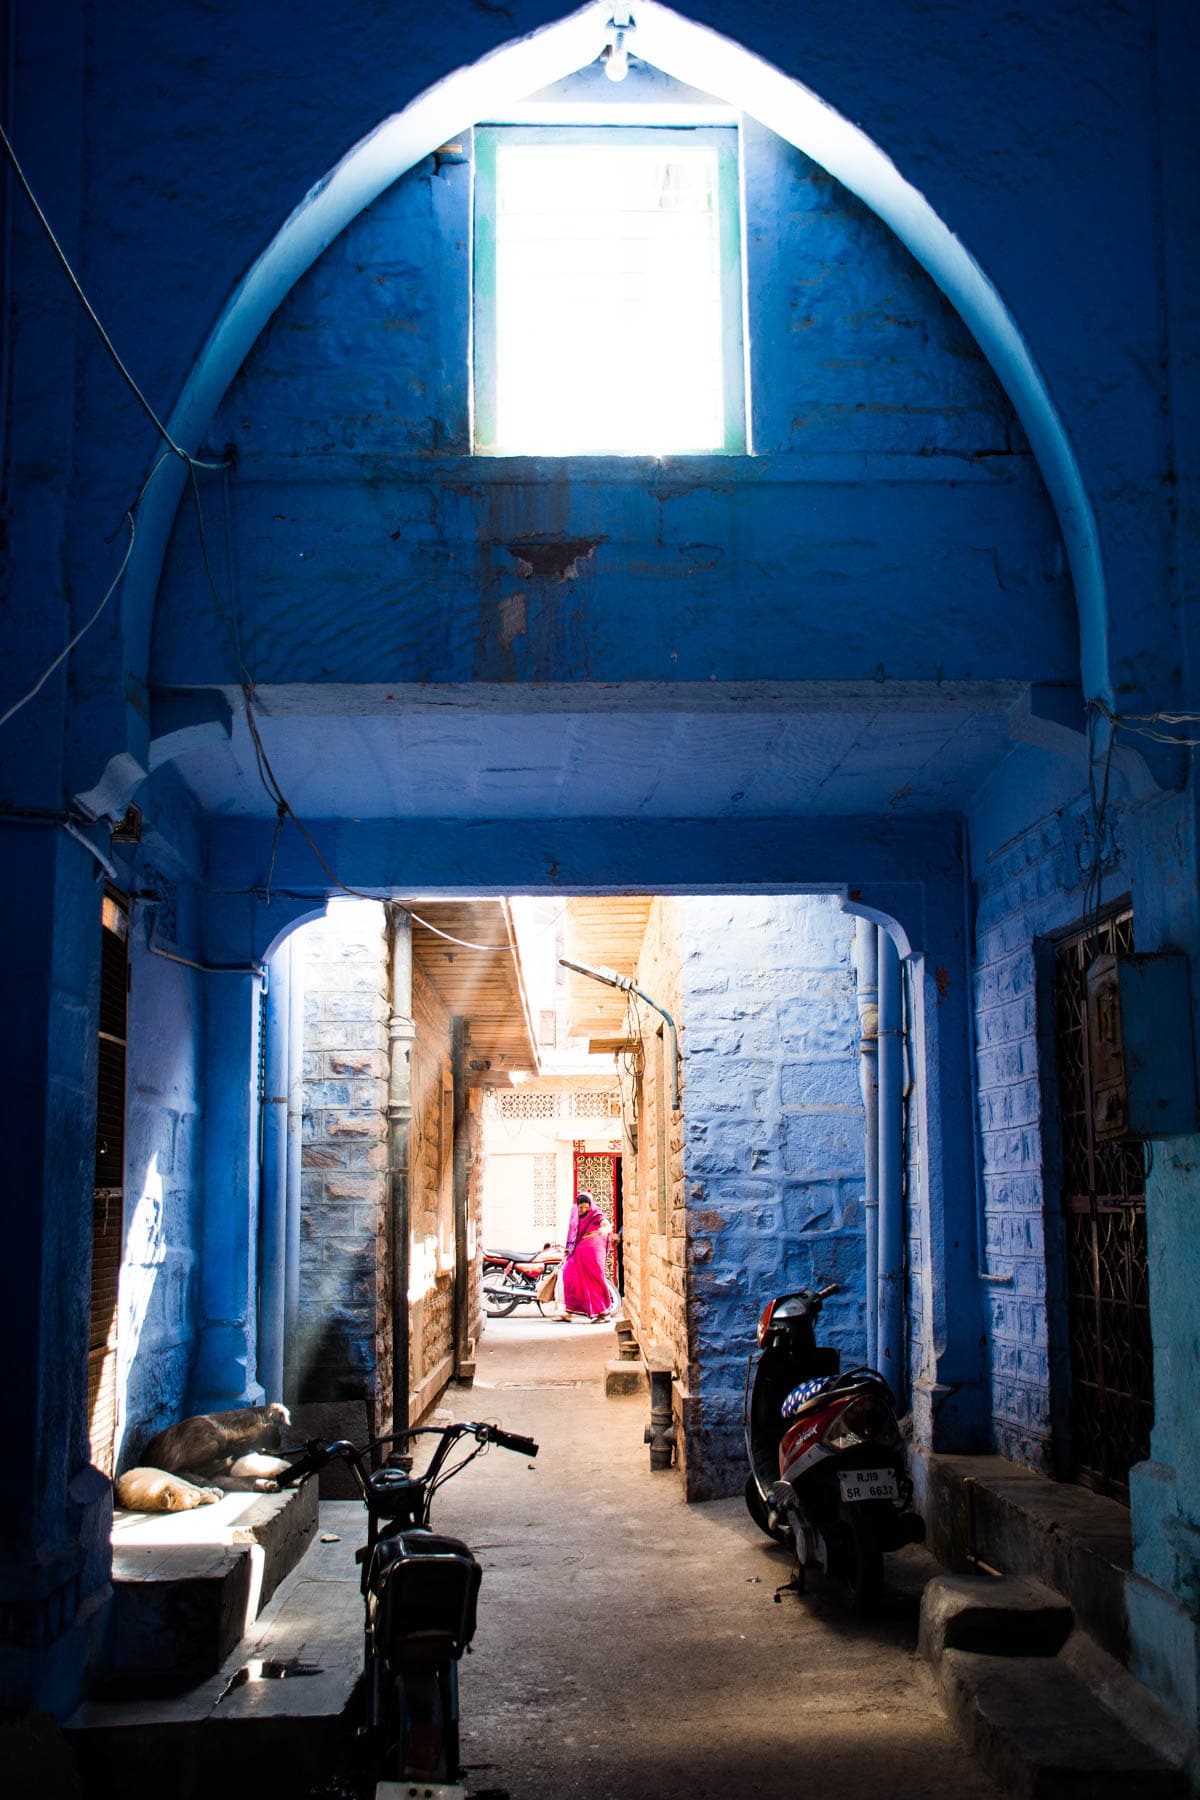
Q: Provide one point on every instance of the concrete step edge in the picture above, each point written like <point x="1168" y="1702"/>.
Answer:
<point x="1042" y="1734"/>
<point x="996" y="1616"/>
<point x="1129" y="1700"/>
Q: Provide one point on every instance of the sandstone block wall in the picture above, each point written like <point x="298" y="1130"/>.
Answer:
<point x="655" y="1225"/>
<point x="431" y="1201"/>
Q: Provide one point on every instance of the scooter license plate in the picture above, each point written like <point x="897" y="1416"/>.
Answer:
<point x="868" y="1484"/>
<point x="420" y="1790"/>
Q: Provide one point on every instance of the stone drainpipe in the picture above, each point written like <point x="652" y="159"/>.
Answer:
<point x="401" y="1032"/>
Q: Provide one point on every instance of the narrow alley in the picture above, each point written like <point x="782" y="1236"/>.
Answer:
<point x="629" y="1645"/>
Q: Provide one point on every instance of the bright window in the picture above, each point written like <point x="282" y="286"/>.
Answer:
<point x="608" y="313"/>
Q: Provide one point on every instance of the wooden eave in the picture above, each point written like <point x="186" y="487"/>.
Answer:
<point x="605" y="931"/>
<point x="484" y="986"/>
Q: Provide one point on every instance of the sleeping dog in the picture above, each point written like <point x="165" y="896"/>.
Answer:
<point x="194" y="1462"/>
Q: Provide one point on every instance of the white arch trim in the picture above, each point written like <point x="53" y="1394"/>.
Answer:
<point x="704" y="59"/>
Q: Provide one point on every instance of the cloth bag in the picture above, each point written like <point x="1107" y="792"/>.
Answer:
<point x="547" y="1285"/>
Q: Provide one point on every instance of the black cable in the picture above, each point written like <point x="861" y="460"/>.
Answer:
<point x="67" y="648"/>
<point x="89" y="309"/>
<point x="1098" y="805"/>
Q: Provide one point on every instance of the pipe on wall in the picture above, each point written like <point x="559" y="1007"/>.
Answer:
<point x="890" y="1343"/>
<point x="295" y="1139"/>
<point x="866" y="945"/>
<point x="401" y="1032"/>
<point x="272" y="1249"/>
<point x="461" y="1192"/>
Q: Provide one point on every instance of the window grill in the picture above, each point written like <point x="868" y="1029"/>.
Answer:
<point x="599" y="1103"/>
<point x="545" y="1193"/>
<point x="526" y="1104"/>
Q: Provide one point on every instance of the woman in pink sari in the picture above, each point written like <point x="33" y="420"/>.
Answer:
<point x="585" y="1288"/>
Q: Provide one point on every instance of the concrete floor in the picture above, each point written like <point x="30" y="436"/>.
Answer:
<point x="629" y="1645"/>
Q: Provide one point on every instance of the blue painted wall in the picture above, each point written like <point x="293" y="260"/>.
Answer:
<point x="884" y="444"/>
<point x="773" y="1144"/>
<point x="164" y="1168"/>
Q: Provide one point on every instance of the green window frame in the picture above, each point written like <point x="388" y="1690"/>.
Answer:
<point x="485" y="346"/>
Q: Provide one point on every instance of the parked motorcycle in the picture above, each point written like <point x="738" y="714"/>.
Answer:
<point x="420" y="1592"/>
<point x="828" y="1472"/>
<point x="511" y="1278"/>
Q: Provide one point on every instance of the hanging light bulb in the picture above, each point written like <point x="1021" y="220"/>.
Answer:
<point x="616" y="55"/>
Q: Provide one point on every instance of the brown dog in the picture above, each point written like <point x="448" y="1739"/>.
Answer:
<point x="222" y="1450"/>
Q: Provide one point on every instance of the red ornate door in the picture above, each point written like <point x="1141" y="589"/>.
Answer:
<point x="596" y="1173"/>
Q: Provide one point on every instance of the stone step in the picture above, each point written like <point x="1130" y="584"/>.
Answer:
<point x="624" y="1377"/>
<point x="1042" y="1734"/>
<point x="187" y="1586"/>
<point x="177" y="1612"/>
<point x="1024" y="1524"/>
<point x="242" y="1737"/>
<point x="997" y="1617"/>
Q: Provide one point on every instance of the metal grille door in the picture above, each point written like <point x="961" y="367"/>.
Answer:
<point x="1104" y="1206"/>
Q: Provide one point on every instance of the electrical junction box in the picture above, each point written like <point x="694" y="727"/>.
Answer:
<point x="1141" y="1055"/>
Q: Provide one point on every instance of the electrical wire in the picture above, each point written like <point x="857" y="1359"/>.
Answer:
<point x="1142" y="724"/>
<point x="1098" y="805"/>
<point x="461" y="942"/>
<point x="129" y="518"/>
<point x="89" y="309"/>
<point x="44" y="677"/>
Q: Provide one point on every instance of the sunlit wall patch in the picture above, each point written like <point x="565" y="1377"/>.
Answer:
<point x="608" y="292"/>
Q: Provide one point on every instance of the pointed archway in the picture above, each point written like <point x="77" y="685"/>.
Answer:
<point x="704" y="59"/>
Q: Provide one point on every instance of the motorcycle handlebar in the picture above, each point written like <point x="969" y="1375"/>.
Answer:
<point x="316" y="1454"/>
<point x="314" y="1457"/>
<point x="508" y="1440"/>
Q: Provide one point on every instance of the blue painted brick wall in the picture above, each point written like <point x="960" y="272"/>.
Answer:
<point x="773" y="1148"/>
<point x="1029" y="887"/>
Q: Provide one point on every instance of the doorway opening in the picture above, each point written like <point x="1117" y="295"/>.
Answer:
<point x="704" y="1082"/>
<point x="108" y="1193"/>
<point x="703" y="1065"/>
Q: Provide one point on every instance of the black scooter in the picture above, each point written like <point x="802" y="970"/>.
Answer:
<point x="420" y="1592"/>
<point x="828" y="1473"/>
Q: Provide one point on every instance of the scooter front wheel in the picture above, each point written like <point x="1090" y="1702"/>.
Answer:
<point x="756" y="1506"/>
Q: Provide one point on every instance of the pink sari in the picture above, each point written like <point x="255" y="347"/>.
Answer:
<point x="584" y="1288"/>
